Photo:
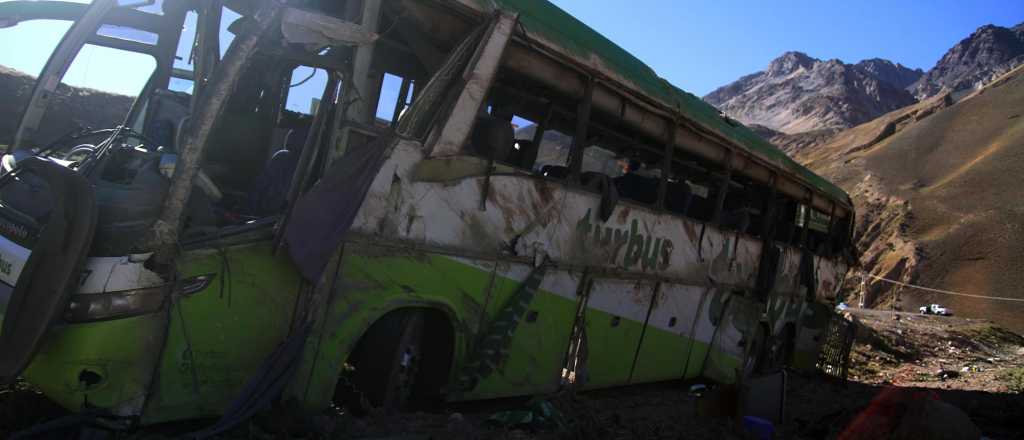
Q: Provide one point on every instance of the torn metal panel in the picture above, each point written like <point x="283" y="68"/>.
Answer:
<point x="478" y="79"/>
<point x="299" y="26"/>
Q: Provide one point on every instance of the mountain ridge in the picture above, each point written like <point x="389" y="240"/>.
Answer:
<point x="797" y="93"/>
<point x="989" y="52"/>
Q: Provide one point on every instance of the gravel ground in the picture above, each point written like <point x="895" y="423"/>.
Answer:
<point x="902" y="356"/>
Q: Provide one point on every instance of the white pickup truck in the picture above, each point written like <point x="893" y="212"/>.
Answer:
<point x="934" y="309"/>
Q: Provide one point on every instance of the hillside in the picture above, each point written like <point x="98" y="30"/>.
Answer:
<point x="798" y="93"/>
<point x="73" y="108"/>
<point x="938" y="197"/>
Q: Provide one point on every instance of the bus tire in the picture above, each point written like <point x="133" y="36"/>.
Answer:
<point x="384" y="363"/>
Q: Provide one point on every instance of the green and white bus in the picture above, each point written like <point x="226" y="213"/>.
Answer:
<point x="397" y="203"/>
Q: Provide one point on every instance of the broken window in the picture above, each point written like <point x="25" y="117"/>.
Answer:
<point x="396" y="95"/>
<point x="42" y="37"/>
<point x="525" y="126"/>
<point x="96" y="92"/>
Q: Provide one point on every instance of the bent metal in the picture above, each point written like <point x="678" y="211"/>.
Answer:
<point x="334" y="214"/>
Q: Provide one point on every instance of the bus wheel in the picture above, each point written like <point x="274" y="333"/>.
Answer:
<point x="383" y="368"/>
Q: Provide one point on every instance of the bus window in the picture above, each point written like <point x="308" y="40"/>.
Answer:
<point x="395" y="96"/>
<point x="36" y="40"/>
<point x="634" y="171"/>
<point x="304" y="90"/>
<point x="97" y="91"/>
<point x="183" y="55"/>
<point x="184" y="58"/>
<point x="253" y="154"/>
<point x="181" y="85"/>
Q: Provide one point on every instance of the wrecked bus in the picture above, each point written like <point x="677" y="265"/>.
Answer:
<point x="478" y="199"/>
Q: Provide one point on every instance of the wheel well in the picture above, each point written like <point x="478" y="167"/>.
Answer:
<point x="436" y="356"/>
<point x="439" y="353"/>
<point x="788" y="331"/>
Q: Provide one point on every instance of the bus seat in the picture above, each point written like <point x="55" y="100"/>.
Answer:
<point x="636" y="187"/>
<point x="554" y="171"/>
<point x="678" y="197"/>
<point x="524" y="154"/>
<point x="737" y="220"/>
<point x="270" y="191"/>
<point x="493" y="138"/>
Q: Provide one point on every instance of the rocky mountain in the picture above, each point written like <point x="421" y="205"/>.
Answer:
<point x="798" y="93"/>
<point x="988" y="53"/>
<point x="889" y="72"/>
<point x="937" y="192"/>
<point x="72" y="108"/>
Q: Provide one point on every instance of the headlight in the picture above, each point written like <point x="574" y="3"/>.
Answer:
<point x="111" y="305"/>
<point x="87" y="307"/>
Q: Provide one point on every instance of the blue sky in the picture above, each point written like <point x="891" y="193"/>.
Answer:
<point x="697" y="45"/>
<point x="701" y="45"/>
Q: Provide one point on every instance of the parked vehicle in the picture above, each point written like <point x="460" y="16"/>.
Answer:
<point x="934" y="309"/>
<point x="408" y="246"/>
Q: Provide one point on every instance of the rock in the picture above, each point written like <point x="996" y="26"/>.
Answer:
<point x="934" y="419"/>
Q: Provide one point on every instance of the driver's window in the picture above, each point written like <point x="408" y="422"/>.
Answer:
<point x="101" y="84"/>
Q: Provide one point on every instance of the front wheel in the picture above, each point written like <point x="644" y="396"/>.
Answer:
<point x="384" y="367"/>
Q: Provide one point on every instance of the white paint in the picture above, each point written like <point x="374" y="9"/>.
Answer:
<point x="12" y="261"/>
<point x="113" y="274"/>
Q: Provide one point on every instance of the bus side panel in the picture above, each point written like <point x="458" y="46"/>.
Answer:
<point x="829" y="274"/>
<point x="536" y="352"/>
<point x="219" y="336"/>
<point x="615" y="315"/>
<point x="667" y="344"/>
<point x="106" y="364"/>
<point x="725" y="323"/>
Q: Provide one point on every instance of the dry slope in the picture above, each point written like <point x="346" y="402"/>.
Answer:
<point x="940" y="198"/>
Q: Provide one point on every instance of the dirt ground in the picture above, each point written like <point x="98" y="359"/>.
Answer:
<point x="902" y="356"/>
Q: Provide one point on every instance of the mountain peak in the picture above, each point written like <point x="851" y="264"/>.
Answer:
<point x="799" y="93"/>
<point x="895" y="74"/>
<point x="986" y="54"/>
<point x="790" y="62"/>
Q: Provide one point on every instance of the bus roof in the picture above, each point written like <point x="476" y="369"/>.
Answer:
<point x="564" y="33"/>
